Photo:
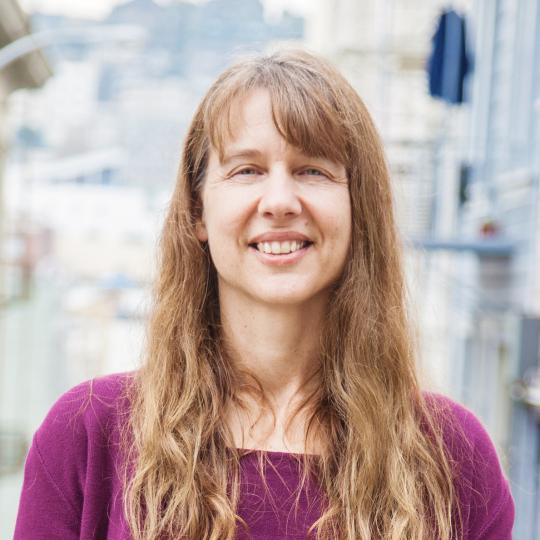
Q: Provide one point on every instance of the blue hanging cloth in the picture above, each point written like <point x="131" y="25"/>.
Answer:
<point x="449" y="62"/>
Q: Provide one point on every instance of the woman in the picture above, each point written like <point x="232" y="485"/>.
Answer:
<point x="278" y="398"/>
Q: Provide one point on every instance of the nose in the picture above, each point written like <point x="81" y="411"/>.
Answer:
<point x="279" y="198"/>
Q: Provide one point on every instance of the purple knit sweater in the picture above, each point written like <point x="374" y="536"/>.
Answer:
<point x="72" y="486"/>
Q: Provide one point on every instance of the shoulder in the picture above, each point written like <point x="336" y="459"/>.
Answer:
<point x="91" y="408"/>
<point x="82" y="430"/>
<point x="92" y="398"/>
<point x="482" y="488"/>
<point x="465" y="436"/>
<point x="72" y="475"/>
<point x="463" y="432"/>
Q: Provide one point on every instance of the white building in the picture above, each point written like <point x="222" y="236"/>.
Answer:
<point x="479" y="254"/>
<point x="30" y="71"/>
<point x="382" y="47"/>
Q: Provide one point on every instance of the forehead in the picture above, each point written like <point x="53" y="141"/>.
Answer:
<point x="301" y="122"/>
<point x="251" y="123"/>
<point x="250" y="110"/>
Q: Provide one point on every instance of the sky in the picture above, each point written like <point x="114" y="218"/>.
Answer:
<point x="96" y="9"/>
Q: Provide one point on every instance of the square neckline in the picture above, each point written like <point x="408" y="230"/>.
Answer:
<point x="274" y="453"/>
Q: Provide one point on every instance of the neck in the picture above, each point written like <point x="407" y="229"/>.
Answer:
<point x="279" y="344"/>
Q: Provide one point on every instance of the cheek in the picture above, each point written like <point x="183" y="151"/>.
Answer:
<point x="223" y="226"/>
<point x="340" y="219"/>
<point x="225" y="223"/>
<point x="341" y="228"/>
<point x="228" y="210"/>
<point x="346" y="215"/>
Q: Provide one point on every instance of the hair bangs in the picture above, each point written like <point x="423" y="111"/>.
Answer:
<point x="218" y="117"/>
<point x="307" y="120"/>
<point x="304" y="111"/>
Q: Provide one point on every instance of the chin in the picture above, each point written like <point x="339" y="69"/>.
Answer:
<point x="287" y="298"/>
<point x="284" y="301"/>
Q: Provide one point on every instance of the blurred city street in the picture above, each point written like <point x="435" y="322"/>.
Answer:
<point x="93" y="109"/>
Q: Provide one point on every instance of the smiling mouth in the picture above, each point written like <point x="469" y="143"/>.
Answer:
<point x="281" y="248"/>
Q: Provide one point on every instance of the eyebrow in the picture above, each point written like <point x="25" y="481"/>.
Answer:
<point x="253" y="153"/>
<point x="249" y="153"/>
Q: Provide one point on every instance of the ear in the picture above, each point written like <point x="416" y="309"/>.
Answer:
<point x="200" y="230"/>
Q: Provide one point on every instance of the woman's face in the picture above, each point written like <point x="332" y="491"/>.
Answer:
<point x="278" y="222"/>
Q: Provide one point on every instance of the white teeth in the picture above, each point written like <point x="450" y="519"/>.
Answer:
<point x="276" y="248"/>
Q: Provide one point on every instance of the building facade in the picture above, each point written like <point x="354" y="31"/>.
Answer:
<point x="468" y="206"/>
<point x="28" y="71"/>
<point x="504" y="155"/>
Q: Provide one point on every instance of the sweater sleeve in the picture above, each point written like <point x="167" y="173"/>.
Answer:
<point x="71" y="483"/>
<point x="492" y="507"/>
<point x="52" y="494"/>
<point x="44" y="510"/>
<point x="486" y="500"/>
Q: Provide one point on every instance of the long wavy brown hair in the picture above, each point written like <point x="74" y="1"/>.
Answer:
<point x="385" y="473"/>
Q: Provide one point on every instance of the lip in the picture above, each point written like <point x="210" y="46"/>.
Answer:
<point x="282" y="259"/>
<point x="279" y="236"/>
